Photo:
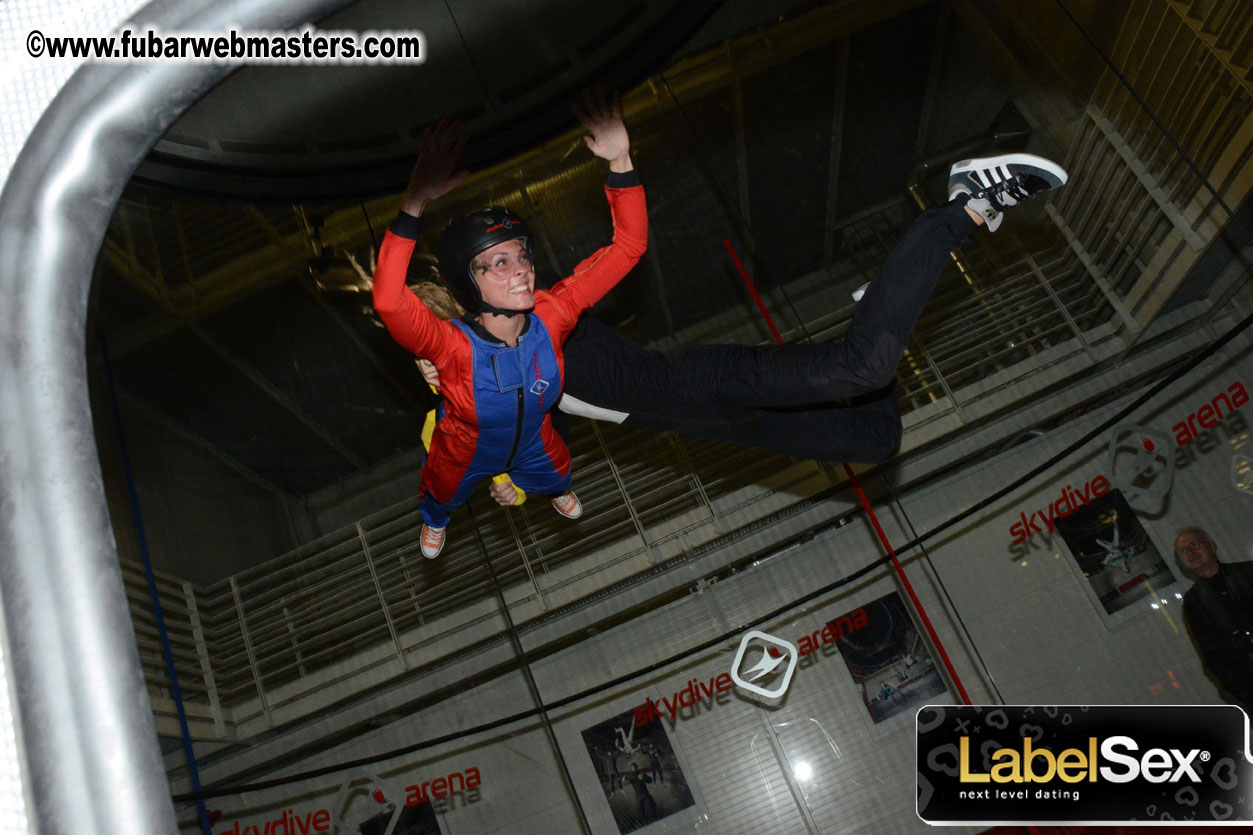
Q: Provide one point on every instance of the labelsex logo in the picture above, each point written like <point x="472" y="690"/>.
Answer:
<point x="1156" y="765"/>
<point x="773" y="652"/>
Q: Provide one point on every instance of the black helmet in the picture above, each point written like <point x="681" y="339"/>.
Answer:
<point x="467" y="236"/>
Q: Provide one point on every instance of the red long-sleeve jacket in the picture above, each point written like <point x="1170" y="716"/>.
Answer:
<point x="497" y="397"/>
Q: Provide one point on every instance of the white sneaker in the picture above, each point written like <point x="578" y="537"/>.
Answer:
<point x="997" y="183"/>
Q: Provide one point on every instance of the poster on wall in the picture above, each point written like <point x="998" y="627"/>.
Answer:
<point x="1111" y="549"/>
<point x="887" y="658"/>
<point x="640" y="772"/>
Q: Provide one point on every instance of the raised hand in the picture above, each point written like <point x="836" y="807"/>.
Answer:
<point x="608" y="138"/>
<point x="433" y="174"/>
<point x="504" y="491"/>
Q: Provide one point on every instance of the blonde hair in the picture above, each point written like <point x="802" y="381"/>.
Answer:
<point x="438" y="299"/>
<point x="431" y="291"/>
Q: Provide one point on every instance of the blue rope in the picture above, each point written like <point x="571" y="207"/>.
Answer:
<point x="202" y="813"/>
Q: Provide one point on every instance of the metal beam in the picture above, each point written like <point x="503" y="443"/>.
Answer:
<point x="262" y="383"/>
<point x="741" y="170"/>
<point x="992" y="38"/>
<point x="1205" y="35"/>
<point x="172" y="426"/>
<point x="1146" y="178"/>
<point x="1094" y="270"/>
<point x="405" y="392"/>
<point x="837" y="150"/>
<point x="277" y="395"/>
<point x="692" y="77"/>
<point x="221" y="287"/>
<point x="249" y="371"/>
<point x="933" y="81"/>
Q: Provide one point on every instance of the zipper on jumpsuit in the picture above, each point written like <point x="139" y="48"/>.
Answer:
<point x="517" y="434"/>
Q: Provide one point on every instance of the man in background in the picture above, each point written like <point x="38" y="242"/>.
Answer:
<point x="1218" y="610"/>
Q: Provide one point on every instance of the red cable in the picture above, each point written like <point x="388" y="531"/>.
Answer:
<point x="909" y="589"/>
<point x="865" y="502"/>
<point x="748" y="282"/>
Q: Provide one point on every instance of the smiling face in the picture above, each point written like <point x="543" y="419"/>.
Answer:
<point x="505" y="275"/>
<point x="1197" y="553"/>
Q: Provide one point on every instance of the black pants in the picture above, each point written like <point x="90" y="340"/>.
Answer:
<point x="833" y="401"/>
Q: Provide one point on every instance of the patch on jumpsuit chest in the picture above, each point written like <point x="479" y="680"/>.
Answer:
<point x="525" y="373"/>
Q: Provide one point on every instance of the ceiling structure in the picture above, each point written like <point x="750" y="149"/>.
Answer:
<point x="507" y="70"/>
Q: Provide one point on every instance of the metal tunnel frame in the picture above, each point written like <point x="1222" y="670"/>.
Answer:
<point x="86" y="727"/>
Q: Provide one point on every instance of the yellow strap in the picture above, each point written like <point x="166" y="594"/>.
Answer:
<point x="503" y="478"/>
<point x="428" y="425"/>
<point x="428" y="429"/>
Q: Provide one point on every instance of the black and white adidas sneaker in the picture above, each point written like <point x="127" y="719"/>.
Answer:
<point x="996" y="183"/>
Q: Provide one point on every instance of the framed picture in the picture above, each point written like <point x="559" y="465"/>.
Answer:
<point x="640" y="771"/>
<point x="886" y="655"/>
<point x="1114" y="555"/>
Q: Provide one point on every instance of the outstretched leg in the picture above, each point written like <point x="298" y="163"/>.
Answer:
<point x="795" y="375"/>
<point x="866" y="359"/>
<point x="606" y="369"/>
<point x="793" y="399"/>
<point x="866" y="432"/>
<point x="650" y="389"/>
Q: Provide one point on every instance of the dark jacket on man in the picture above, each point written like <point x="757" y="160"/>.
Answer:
<point x="1219" y="615"/>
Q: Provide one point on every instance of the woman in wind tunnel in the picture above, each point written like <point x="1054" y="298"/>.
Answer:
<point x="833" y="401"/>
<point x="500" y="364"/>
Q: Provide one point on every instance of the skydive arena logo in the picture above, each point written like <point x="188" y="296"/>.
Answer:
<point x="1050" y="764"/>
<point x="1142" y="465"/>
<point x="773" y="660"/>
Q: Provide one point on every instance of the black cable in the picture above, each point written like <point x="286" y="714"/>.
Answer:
<point x="702" y="158"/>
<point x="525" y="669"/>
<point x="935" y="574"/>
<point x="1191" y="363"/>
<point x="1152" y="117"/>
<point x="374" y="241"/>
<point x="696" y="649"/>
<point x="469" y="53"/>
<point x="685" y="654"/>
<point x="1154" y="390"/>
